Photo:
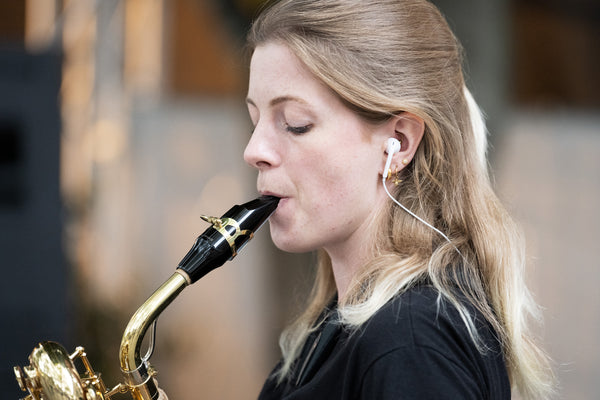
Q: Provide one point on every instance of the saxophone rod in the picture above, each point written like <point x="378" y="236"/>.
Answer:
<point x="216" y="245"/>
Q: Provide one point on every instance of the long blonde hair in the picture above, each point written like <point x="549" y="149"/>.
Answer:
<point x="385" y="57"/>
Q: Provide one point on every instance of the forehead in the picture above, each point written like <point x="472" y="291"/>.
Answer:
<point x="275" y="71"/>
<point x="275" y="59"/>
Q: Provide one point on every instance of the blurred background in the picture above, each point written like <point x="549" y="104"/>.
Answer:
<point x="121" y="121"/>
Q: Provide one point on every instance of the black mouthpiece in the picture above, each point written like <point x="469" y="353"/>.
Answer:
<point x="227" y="235"/>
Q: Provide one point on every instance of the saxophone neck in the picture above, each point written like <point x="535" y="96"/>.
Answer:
<point x="212" y="248"/>
<point x="138" y="371"/>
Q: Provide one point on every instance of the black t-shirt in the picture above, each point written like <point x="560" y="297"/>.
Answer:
<point x="410" y="349"/>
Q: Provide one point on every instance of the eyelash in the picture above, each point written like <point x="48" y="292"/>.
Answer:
<point x="298" y="130"/>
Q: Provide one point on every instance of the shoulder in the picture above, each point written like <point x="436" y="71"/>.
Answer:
<point x="420" y="337"/>
<point x="421" y="317"/>
<point x="414" y="318"/>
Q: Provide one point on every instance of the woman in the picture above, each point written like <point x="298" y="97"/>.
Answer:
<point x="419" y="291"/>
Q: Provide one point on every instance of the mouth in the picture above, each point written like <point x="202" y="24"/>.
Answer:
<point x="282" y="198"/>
<point x="269" y="193"/>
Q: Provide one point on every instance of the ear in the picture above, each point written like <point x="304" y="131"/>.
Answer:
<point x="408" y="128"/>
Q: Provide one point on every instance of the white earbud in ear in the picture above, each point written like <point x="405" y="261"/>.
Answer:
<point x="391" y="148"/>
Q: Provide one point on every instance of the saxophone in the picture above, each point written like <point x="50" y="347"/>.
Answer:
<point x="52" y="374"/>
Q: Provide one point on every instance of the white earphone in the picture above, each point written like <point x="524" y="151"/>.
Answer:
<point x="392" y="147"/>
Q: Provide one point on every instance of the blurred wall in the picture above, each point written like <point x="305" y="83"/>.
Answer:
<point x="548" y="174"/>
<point x="532" y="66"/>
<point x="32" y="263"/>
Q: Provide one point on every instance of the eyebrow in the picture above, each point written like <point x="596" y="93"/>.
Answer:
<point x="279" y="100"/>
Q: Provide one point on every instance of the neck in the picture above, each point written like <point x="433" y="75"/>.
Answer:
<point x="343" y="272"/>
<point x="349" y="258"/>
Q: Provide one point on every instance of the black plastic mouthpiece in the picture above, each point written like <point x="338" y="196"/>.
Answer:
<point x="227" y="235"/>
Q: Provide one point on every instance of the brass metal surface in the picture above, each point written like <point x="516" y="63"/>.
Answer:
<point x="138" y="373"/>
<point x="52" y="374"/>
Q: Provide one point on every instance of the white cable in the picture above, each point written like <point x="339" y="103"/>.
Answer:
<point x="419" y="218"/>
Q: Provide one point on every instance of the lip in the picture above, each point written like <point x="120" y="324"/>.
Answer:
<point x="282" y="199"/>
<point x="269" y="193"/>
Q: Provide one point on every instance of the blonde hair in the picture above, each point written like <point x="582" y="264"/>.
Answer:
<point x="385" y="57"/>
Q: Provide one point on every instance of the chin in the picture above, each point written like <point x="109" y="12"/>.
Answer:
<point x="288" y="246"/>
<point x="288" y="242"/>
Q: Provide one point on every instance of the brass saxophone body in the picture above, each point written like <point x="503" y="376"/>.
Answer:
<point x="52" y="374"/>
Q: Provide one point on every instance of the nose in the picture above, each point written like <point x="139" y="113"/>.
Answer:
<point x="261" y="151"/>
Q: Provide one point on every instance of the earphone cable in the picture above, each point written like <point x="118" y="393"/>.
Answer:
<point x="420" y="219"/>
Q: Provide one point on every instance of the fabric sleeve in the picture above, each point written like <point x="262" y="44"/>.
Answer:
<point x="417" y="373"/>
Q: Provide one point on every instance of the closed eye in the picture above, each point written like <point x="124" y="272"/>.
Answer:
<point x="298" y="130"/>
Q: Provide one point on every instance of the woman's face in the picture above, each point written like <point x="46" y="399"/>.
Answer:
<point x="320" y="158"/>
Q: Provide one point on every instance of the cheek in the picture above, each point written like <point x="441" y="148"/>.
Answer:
<point x="333" y="191"/>
<point x="339" y="174"/>
<point x="320" y="179"/>
<point x="318" y="188"/>
<point x="349" y="173"/>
